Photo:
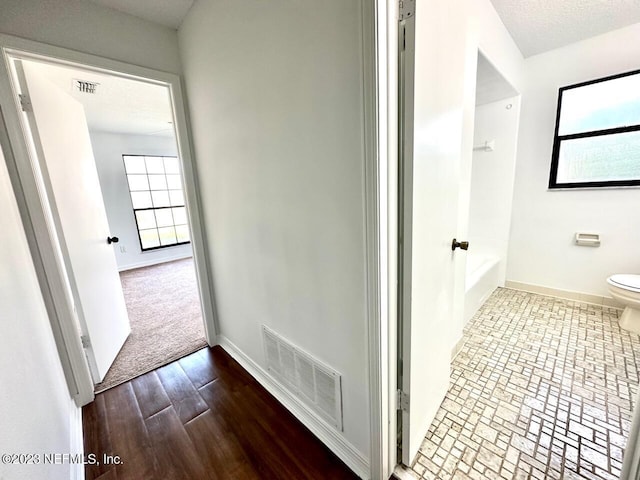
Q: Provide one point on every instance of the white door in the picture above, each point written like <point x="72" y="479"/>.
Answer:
<point x="430" y="163"/>
<point x="61" y="140"/>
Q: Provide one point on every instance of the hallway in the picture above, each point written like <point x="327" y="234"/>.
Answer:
<point x="202" y="417"/>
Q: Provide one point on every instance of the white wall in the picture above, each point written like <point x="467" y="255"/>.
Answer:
<point x="541" y="250"/>
<point x="275" y="94"/>
<point x="492" y="180"/>
<point x="108" y="149"/>
<point x="35" y="406"/>
<point x="91" y="28"/>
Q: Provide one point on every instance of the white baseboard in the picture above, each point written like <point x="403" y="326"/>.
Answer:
<point x="325" y="432"/>
<point x="149" y="263"/>
<point x="566" y="294"/>
<point x="404" y="473"/>
<point x="457" y="347"/>
<point x="76" y="441"/>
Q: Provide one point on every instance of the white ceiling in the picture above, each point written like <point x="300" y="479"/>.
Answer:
<point x="541" y="25"/>
<point x="119" y="105"/>
<point x="491" y="86"/>
<point x="169" y="13"/>
<point x="536" y="25"/>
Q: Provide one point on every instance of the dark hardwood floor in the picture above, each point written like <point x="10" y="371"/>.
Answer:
<point x="201" y="417"/>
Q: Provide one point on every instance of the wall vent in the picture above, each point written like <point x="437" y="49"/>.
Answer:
<point x="84" y="86"/>
<point x="316" y="384"/>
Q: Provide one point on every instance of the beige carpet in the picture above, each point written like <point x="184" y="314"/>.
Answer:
<point x="166" y="320"/>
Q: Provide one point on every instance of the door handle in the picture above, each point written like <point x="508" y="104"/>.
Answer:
<point x="111" y="240"/>
<point x="456" y="244"/>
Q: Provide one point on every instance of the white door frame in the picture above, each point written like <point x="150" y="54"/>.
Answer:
<point x="35" y="209"/>
<point x="380" y="41"/>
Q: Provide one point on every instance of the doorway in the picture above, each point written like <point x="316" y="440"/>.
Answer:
<point x="436" y="132"/>
<point x="64" y="190"/>
<point x="127" y="129"/>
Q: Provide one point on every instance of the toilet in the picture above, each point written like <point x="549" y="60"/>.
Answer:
<point x="625" y="288"/>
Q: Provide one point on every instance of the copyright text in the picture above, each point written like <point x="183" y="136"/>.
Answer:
<point x="59" y="459"/>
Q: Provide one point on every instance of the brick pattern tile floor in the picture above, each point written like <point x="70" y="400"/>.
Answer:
<point x="543" y="388"/>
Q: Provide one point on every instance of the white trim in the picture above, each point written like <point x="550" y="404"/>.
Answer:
<point x="566" y="294"/>
<point x="387" y="76"/>
<point x="77" y="441"/>
<point x="150" y="263"/>
<point x="631" y="459"/>
<point x="199" y="242"/>
<point x="35" y="209"/>
<point x="457" y="347"/>
<point x="402" y="472"/>
<point x="375" y="238"/>
<point x="356" y="460"/>
<point x="380" y="55"/>
<point x="49" y="268"/>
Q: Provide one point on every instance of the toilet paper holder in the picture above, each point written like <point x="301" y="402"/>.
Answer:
<point x="588" y="239"/>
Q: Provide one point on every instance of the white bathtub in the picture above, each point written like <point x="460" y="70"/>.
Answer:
<point x="481" y="279"/>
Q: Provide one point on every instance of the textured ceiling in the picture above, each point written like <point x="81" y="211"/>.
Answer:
<point x="169" y="13"/>
<point x="536" y="25"/>
<point x="541" y="25"/>
<point x="491" y="86"/>
<point x="119" y="105"/>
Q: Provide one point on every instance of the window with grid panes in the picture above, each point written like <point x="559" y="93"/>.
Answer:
<point x="155" y="186"/>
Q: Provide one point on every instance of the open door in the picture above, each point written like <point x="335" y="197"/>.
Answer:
<point x="428" y="219"/>
<point x="61" y="141"/>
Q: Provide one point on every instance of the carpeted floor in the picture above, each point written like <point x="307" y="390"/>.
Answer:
<point x="166" y="320"/>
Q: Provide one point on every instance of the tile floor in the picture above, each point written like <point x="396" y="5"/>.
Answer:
<point x="543" y="388"/>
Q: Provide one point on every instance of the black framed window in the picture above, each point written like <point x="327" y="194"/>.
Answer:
<point x="155" y="186"/>
<point x="597" y="136"/>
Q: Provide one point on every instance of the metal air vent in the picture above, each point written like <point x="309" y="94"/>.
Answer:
<point x="316" y="384"/>
<point x="83" y="86"/>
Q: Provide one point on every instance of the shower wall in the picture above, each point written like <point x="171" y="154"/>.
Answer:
<point x="492" y="180"/>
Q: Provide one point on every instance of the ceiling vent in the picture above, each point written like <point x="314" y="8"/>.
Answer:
<point x="84" y="86"/>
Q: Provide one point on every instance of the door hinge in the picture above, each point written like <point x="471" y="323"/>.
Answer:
<point x="25" y="102"/>
<point x="407" y="8"/>
<point x="402" y="400"/>
<point x="86" y="341"/>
